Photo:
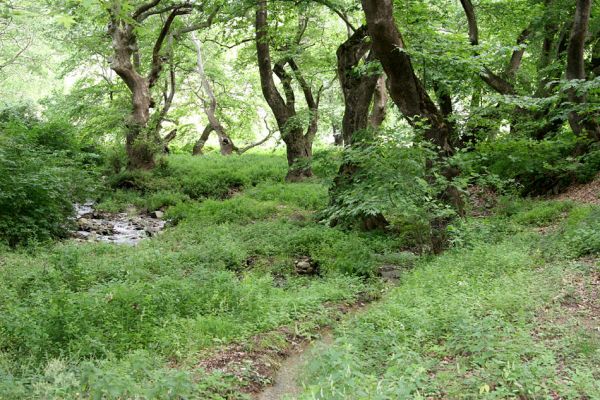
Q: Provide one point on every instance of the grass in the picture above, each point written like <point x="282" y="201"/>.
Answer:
<point x="106" y="321"/>
<point x="489" y="319"/>
<point x="497" y="316"/>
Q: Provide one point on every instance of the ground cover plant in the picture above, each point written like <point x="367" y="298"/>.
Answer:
<point x="319" y="199"/>
<point x="506" y="318"/>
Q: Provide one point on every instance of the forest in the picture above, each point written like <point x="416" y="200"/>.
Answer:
<point x="299" y="199"/>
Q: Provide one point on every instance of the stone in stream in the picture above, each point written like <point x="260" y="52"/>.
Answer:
<point x="390" y="272"/>
<point x="157" y="214"/>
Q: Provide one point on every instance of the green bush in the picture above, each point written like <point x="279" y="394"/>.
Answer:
<point x="581" y="233"/>
<point x="390" y="179"/>
<point x="538" y="167"/>
<point x="35" y="201"/>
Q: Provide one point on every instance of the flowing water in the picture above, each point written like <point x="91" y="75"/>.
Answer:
<point x="117" y="228"/>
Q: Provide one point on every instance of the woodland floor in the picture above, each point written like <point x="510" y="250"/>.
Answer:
<point x="215" y="307"/>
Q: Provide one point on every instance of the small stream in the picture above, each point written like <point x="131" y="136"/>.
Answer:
<point x="117" y="228"/>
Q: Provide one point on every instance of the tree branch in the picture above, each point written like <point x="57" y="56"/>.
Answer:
<point x="144" y="8"/>
<point x="256" y="144"/>
<point x="157" y="60"/>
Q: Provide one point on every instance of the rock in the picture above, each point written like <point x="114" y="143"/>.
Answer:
<point x="121" y="228"/>
<point x="84" y="224"/>
<point x="390" y="272"/>
<point x="305" y="266"/>
<point x="152" y="230"/>
<point x="157" y="214"/>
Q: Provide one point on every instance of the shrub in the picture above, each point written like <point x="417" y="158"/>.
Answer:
<point x="539" y="167"/>
<point x="390" y="178"/>
<point x="583" y="237"/>
<point x="35" y="202"/>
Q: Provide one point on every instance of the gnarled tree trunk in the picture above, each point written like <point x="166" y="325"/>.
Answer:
<point x="141" y="140"/>
<point x="199" y="145"/>
<point x="298" y="144"/>
<point x="408" y="93"/>
<point x="140" y="153"/>
<point x="210" y="102"/>
<point x="358" y="90"/>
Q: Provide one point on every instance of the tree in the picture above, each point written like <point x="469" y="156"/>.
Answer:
<point x="210" y="107"/>
<point x="413" y="101"/>
<point x="141" y="141"/>
<point x="358" y="87"/>
<point x="298" y="141"/>
<point x="588" y="127"/>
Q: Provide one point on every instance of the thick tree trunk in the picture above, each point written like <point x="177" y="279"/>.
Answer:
<point x="358" y="90"/>
<point x="583" y="126"/>
<point x="406" y="90"/>
<point x="408" y="93"/>
<point x="299" y="149"/>
<point x="140" y="142"/>
<point x="140" y="151"/>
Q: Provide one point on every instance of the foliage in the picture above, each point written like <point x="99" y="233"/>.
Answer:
<point x="468" y="324"/>
<point x="42" y="172"/>
<point x="391" y="179"/>
<point x="104" y="320"/>
<point x="539" y="167"/>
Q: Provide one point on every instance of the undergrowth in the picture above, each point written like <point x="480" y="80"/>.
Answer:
<point x="469" y="323"/>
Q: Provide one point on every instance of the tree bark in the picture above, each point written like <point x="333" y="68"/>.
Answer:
<point x="139" y="150"/>
<point x="471" y="21"/>
<point x="358" y="90"/>
<point x="408" y="93"/>
<point x="380" y="99"/>
<point x="406" y="90"/>
<point x="298" y="145"/>
<point x="199" y="146"/>
<point x="583" y="126"/>
<point x="140" y="141"/>
<point x="210" y="102"/>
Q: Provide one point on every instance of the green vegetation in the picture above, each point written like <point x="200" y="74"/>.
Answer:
<point x="490" y="321"/>
<point x="194" y="193"/>
<point x="107" y="320"/>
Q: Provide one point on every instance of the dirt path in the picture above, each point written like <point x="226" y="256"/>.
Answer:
<point x="286" y="384"/>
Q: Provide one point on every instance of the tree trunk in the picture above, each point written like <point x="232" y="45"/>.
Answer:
<point x="210" y="102"/>
<point x="140" y="152"/>
<point x="408" y="93"/>
<point x="406" y="90"/>
<point x="583" y="126"/>
<point x="338" y="138"/>
<point x="199" y="146"/>
<point x="140" y="142"/>
<point x="299" y="149"/>
<point x="380" y="100"/>
<point x="358" y="90"/>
